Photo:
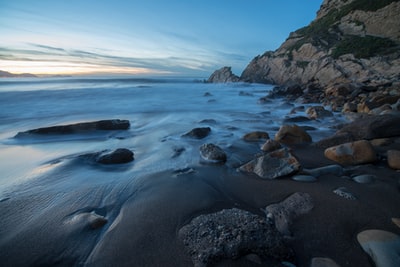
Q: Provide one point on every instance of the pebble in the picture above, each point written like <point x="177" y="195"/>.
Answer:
<point x="334" y="169"/>
<point x="382" y="246"/>
<point x="304" y="178"/>
<point x="364" y="178"/>
<point x="343" y="192"/>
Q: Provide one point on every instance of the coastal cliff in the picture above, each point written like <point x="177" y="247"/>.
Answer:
<point x="350" y="41"/>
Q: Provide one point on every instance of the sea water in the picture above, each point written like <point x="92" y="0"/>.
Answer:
<point x="160" y="111"/>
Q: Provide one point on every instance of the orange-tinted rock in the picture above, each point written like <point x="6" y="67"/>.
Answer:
<point x="352" y="153"/>
<point x="292" y="134"/>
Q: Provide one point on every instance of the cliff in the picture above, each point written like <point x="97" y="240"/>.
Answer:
<point x="349" y="42"/>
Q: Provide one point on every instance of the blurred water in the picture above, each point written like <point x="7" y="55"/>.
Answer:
<point x="160" y="111"/>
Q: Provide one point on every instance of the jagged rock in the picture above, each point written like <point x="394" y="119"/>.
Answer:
<point x="283" y="213"/>
<point x="118" y="156"/>
<point x="292" y="134"/>
<point x="106" y="125"/>
<point x="223" y="75"/>
<point x="271" y="145"/>
<point x="212" y="153"/>
<point x="352" y="153"/>
<point x="318" y="112"/>
<point x="198" y="133"/>
<point x="273" y="165"/>
<point x="230" y="234"/>
<point x="393" y="157"/>
<point x="383" y="247"/>
<point x="256" y="136"/>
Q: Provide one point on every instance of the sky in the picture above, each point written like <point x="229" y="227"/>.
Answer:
<point x="137" y="37"/>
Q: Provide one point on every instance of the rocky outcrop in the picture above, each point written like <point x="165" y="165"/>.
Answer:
<point x="353" y="41"/>
<point x="223" y="75"/>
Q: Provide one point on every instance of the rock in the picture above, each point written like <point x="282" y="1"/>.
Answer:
<point x="343" y="192"/>
<point x="304" y="178"/>
<point x="270" y="145"/>
<point x="318" y="112"/>
<point x="358" y="152"/>
<point x="103" y="125"/>
<point x="349" y="107"/>
<point x="183" y="171"/>
<point x="118" y="156"/>
<point x="382" y="246"/>
<point x="323" y="262"/>
<point x="273" y="165"/>
<point x="223" y="75"/>
<point x="283" y="213"/>
<point x="87" y="219"/>
<point x="396" y="221"/>
<point x="198" y="133"/>
<point x="296" y="119"/>
<point x="256" y="136"/>
<point x="329" y="169"/>
<point x="393" y="157"/>
<point x="364" y="179"/>
<point x="292" y="134"/>
<point x="373" y="127"/>
<point x="212" y="153"/>
<point x="230" y="234"/>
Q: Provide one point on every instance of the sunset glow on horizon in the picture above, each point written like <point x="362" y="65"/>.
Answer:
<point x="52" y="37"/>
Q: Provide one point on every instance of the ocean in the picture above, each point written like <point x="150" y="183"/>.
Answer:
<point x="160" y="110"/>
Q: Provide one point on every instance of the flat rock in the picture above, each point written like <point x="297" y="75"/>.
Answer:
<point x="323" y="262"/>
<point x="212" y="153"/>
<point x="103" y="125"/>
<point x="329" y="169"/>
<point x="283" y="213"/>
<point x="230" y="234"/>
<point x="273" y="165"/>
<point x="256" y="136"/>
<point x="304" y="178"/>
<point x="352" y="153"/>
<point x="198" y="133"/>
<point x="292" y="134"/>
<point x="118" y="156"/>
<point x="382" y="246"/>
<point x="393" y="158"/>
<point x="364" y="178"/>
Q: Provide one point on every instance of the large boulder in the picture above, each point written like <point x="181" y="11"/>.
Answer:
<point x="273" y="165"/>
<point x="223" y="75"/>
<point x="352" y="153"/>
<point x="103" y="125"/>
<point x="230" y="234"/>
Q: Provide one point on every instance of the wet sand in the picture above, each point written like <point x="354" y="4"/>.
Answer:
<point x="46" y="224"/>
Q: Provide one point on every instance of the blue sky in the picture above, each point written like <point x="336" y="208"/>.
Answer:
<point x="144" y="37"/>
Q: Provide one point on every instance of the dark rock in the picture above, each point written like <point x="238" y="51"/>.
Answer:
<point x="118" y="156"/>
<point x="230" y="234"/>
<point x="296" y="119"/>
<point x="256" y="136"/>
<point x="283" y="213"/>
<point x="178" y="151"/>
<point x="223" y="75"/>
<point x="198" y="133"/>
<point x="103" y="125"/>
<point x="273" y="165"/>
<point x="212" y="153"/>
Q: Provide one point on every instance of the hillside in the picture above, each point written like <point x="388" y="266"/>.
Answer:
<point x="6" y="74"/>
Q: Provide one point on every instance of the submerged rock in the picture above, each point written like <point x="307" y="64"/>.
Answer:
<point x="118" y="156"/>
<point x="212" y="153"/>
<point x="198" y="133"/>
<point x="382" y="246"/>
<point x="273" y="165"/>
<point x="256" y="136"/>
<point x="352" y="153"/>
<point x="103" y="125"/>
<point x="230" y="234"/>
<point x="283" y="213"/>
